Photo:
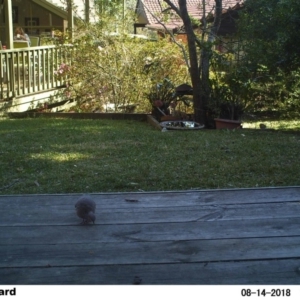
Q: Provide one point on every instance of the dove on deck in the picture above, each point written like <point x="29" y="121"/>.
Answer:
<point x="85" y="209"/>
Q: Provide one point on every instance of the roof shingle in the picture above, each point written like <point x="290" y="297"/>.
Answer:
<point x="154" y="10"/>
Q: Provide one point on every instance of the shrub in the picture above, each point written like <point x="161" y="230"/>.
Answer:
<point x="120" y="70"/>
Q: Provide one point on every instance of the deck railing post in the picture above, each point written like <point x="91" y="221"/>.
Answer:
<point x="8" y="23"/>
<point x="32" y="70"/>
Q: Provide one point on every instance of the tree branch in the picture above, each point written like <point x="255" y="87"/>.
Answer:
<point x="173" y="7"/>
<point x="185" y="56"/>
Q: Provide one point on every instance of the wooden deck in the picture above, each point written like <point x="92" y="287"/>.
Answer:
<point x="28" y="77"/>
<point x="244" y="236"/>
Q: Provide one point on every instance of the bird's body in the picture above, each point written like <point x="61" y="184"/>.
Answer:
<point x="262" y="126"/>
<point x="85" y="209"/>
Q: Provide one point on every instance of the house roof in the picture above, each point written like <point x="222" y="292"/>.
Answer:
<point x="52" y="8"/>
<point x="150" y="11"/>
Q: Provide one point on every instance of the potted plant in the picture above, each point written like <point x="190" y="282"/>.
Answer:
<point x="164" y="99"/>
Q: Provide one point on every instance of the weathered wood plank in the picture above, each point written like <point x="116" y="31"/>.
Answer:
<point x="155" y="232"/>
<point x="65" y="214"/>
<point x="137" y="252"/>
<point x="111" y="116"/>
<point x="274" y="272"/>
<point x="247" y="236"/>
<point x="163" y="199"/>
<point x="37" y="213"/>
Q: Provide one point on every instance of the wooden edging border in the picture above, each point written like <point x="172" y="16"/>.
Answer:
<point x="73" y="115"/>
<point x="161" y="192"/>
<point x="113" y="116"/>
<point x="152" y="121"/>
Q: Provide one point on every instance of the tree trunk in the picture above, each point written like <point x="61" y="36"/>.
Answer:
<point x="206" y="53"/>
<point x="199" y="73"/>
<point x="194" y="68"/>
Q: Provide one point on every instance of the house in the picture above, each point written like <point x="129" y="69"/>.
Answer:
<point x="156" y="15"/>
<point x="35" y="17"/>
<point x="25" y="83"/>
<point x="41" y="17"/>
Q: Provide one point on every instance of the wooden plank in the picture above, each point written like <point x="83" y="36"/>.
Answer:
<point x="111" y="116"/>
<point x="156" y="232"/>
<point x="153" y="122"/>
<point x="64" y="214"/>
<point x="162" y="199"/>
<point x="247" y="236"/>
<point x="137" y="252"/>
<point x="276" y="272"/>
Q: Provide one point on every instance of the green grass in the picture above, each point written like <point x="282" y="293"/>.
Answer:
<point x="79" y="156"/>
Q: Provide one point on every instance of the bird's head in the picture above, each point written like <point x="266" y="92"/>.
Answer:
<point x="91" y="217"/>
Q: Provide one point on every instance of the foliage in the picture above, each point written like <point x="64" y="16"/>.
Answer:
<point x="270" y="31"/>
<point x="164" y="99"/>
<point x="119" y="69"/>
<point x="280" y="92"/>
<point x="292" y="103"/>
<point x="161" y="95"/>
<point x="113" y="7"/>
<point x="232" y="87"/>
<point x="199" y="52"/>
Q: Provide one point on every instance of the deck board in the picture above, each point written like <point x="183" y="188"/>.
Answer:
<point x="239" y="236"/>
<point x="64" y="215"/>
<point x="156" y="232"/>
<point x="137" y="252"/>
<point x="266" y="272"/>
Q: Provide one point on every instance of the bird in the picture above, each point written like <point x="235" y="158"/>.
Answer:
<point x="85" y="209"/>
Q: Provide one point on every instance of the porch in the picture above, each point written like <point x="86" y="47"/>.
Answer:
<point x="238" y="236"/>
<point x="28" y="77"/>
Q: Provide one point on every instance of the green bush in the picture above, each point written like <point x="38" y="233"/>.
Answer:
<point x="119" y="70"/>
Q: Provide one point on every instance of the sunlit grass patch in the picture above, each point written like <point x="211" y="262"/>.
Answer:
<point x="59" y="157"/>
<point x="277" y="125"/>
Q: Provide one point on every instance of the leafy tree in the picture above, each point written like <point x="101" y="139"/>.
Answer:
<point x="270" y="33"/>
<point x="108" y="6"/>
<point x="199" y="61"/>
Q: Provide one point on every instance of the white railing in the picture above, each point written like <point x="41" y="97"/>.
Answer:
<point x="31" y="70"/>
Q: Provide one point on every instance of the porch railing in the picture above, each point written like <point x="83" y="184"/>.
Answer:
<point x="31" y="70"/>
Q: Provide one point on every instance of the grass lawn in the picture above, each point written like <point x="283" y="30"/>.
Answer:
<point x="77" y="156"/>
